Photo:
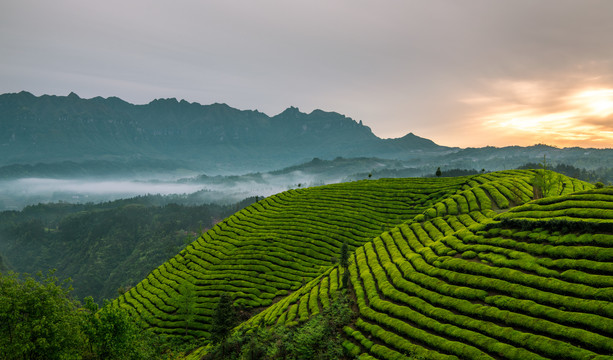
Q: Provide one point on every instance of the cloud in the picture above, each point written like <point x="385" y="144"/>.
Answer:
<point x="561" y="113"/>
<point x="425" y="67"/>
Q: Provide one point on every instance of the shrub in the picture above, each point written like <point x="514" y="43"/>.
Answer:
<point x="469" y="254"/>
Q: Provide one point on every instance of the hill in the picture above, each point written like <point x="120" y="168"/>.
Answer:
<point x="440" y="268"/>
<point x="60" y="129"/>
<point x="270" y="248"/>
<point x="510" y="157"/>
<point x="468" y="284"/>
<point x="102" y="247"/>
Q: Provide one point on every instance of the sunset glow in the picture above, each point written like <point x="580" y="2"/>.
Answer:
<point x="600" y="102"/>
<point x="462" y="74"/>
<point x="576" y="118"/>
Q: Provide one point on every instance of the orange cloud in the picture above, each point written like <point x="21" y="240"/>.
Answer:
<point x="538" y="112"/>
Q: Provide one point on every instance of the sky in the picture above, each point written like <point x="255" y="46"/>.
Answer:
<point x="467" y="73"/>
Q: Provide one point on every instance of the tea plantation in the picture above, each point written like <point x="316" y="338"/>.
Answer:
<point x="452" y="268"/>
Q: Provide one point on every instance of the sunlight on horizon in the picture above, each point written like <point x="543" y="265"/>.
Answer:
<point x="599" y="101"/>
<point x="578" y="118"/>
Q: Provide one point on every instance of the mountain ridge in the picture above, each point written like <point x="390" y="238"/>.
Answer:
<point x="175" y="136"/>
<point x="51" y="128"/>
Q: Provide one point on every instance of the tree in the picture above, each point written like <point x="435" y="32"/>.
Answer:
<point x="224" y="319"/>
<point x="344" y="263"/>
<point x="112" y="333"/>
<point x="318" y="338"/>
<point x="187" y="303"/>
<point x="38" y="319"/>
<point x="545" y="182"/>
<point x="438" y="172"/>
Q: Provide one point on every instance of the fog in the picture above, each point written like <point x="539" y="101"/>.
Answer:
<point x="93" y="187"/>
<point x="18" y="193"/>
<point x="15" y="194"/>
<point x="228" y="189"/>
<point x="194" y="190"/>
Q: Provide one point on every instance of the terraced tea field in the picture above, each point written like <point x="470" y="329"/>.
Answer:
<point x="274" y="246"/>
<point x="475" y="271"/>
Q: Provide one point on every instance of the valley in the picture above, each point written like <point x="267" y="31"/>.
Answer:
<point x="393" y="248"/>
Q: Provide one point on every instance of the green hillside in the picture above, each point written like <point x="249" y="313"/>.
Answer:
<point x="272" y="247"/>
<point x="440" y="268"/>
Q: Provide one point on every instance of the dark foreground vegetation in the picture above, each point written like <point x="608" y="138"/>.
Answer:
<point x="39" y="319"/>
<point x="318" y="338"/>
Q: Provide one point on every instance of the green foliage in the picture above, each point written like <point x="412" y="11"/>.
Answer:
<point x="318" y="338"/>
<point x="275" y="246"/>
<point x="344" y="260"/>
<point x="411" y="289"/>
<point x="344" y="263"/>
<point x="345" y="279"/>
<point x="38" y="319"/>
<point x="102" y="247"/>
<point x="224" y="319"/>
<point x="597" y="173"/>
<point x="465" y="282"/>
<point x="186" y="304"/>
<point x="113" y="334"/>
<point x="469" y="254"/>
<point x="546" y="182"/>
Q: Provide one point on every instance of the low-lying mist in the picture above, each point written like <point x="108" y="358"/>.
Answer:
<point x="106" y="187"/>
<point x="18" y="193"/>
<point x="15" y="194"/>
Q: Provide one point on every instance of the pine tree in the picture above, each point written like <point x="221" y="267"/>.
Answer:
<point x="224" y="319"/>
<point x="344" y="263"/>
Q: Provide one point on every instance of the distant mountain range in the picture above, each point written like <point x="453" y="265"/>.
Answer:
<point x="55" y="136"/>
<point x="60" y="129"/>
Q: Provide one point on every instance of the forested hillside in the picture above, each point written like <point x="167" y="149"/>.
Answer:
<point x="103" y="247"/>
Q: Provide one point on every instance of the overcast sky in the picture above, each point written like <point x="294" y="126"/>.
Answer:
<point x="462" y="73"/>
